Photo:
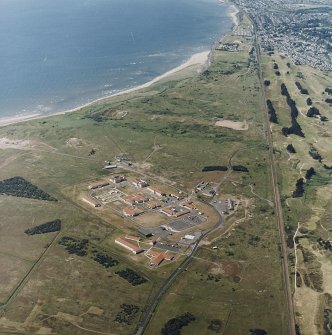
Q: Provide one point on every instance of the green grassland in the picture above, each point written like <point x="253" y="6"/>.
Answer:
<point x="310" y="213"/>
<point x="239" y="284"/>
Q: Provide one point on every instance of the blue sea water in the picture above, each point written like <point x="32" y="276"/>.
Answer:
<point x="59" y="54"/>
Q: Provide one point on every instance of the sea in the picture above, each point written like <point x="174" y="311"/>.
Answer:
<point x="59" y="54"/>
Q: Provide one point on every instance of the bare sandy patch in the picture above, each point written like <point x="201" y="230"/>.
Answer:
<point x="95" y="311"/>
<point x="144" y="165"/>
<point x="19" y="144"/>
<point x="306" y="303"/>
<point x="226" y="269"/>
<point x="5" y="121"/>
<point x="236" y="125"/>
<point x="74" y="142"/>
<point x="6" y="143"/>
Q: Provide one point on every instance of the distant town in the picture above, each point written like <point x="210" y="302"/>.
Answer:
<point x="300" y="30"/>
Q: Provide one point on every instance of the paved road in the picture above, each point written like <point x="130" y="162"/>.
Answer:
<point x="150" y="308"/>
<point x="278" y="207"/>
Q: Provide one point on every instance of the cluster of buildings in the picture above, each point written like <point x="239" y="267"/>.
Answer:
<point x="140" y="201"/>
<point x="230" y="47"/>
<point x="92" y="201"/>
<point x="299" y="30"/>
<point x="134" y="197"/>
<point x="175" y="211"/>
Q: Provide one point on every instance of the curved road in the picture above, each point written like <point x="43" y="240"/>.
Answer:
<point x="150" y="308"/>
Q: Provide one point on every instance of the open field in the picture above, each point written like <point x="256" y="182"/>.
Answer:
<point x="240" y="285"/>
<point x="307" y="218"/>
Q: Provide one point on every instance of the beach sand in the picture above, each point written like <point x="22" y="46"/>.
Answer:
<point x="5" y="121"/>
<point x="233" y="14"/>
<point x="200" y="60"/>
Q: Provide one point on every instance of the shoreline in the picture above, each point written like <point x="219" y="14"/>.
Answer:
<point x="200" y="59"/>
<point x="233" y="14"/>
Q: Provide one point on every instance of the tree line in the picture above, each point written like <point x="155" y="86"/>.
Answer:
<point x="48" y="227"/>
<point x="174" y="326"/>
<point x="19" y="187"/>
<point x="295" y="128"/>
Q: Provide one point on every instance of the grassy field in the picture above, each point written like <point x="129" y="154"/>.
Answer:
<point x="307" y="217"/>
<point x="238" y="284"/>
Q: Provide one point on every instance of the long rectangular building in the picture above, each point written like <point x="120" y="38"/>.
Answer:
<point x="99" y="184"/>
<point x="91" y="201"/>
<point x="135" y="249"/>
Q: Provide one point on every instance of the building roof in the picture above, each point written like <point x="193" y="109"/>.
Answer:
<point x="132" y="238"/>
<point x="168" y="211"/>
<point x="91" y="200"/>
<point x="177" y="195"/>
<point x="145" y="231"/>
<point x="136" y="198"/>
<point x="118" y="178"/>
<point x="155" y="190"/>
<point x="189" y="204"/>
<point x="157" y="260"/>
<point x="176" y="213"/>
<point x="132" y="211"/>
<point x="140" y="182"/>
<point x="128" y="245"/>
<point x="153" y="253"/>
<point x="98" y="184"/>
<point x="182" y="212"/>
<point x="154" y="204"/>
<point x="168" y="256"/>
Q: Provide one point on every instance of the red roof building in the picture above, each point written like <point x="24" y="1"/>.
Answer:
<point x="175" y="212"/>
<point x="153" y="205"/>
<point x="135" y="249"/>
<point x="157" y="260"/>
<point x="156" y="191"/>
<point x="136" y="199"/>
<point x="132" y="211"/>
<point x="189" y="205"/>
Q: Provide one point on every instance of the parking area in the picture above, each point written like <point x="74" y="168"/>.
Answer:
<point x="190" y="238"/>
<point x="108" y="194"/>
<point x="224" y="206"/>
<point x="185" y="222"/>
<point x="168" y="247"/>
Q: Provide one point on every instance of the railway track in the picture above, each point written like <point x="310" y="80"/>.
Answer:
<point x="276" y="195"/>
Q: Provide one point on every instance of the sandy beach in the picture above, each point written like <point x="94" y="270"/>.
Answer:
<point x="233" y="14"/>
<point x="5" y="121"/>
<point x="200" y="60"/>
